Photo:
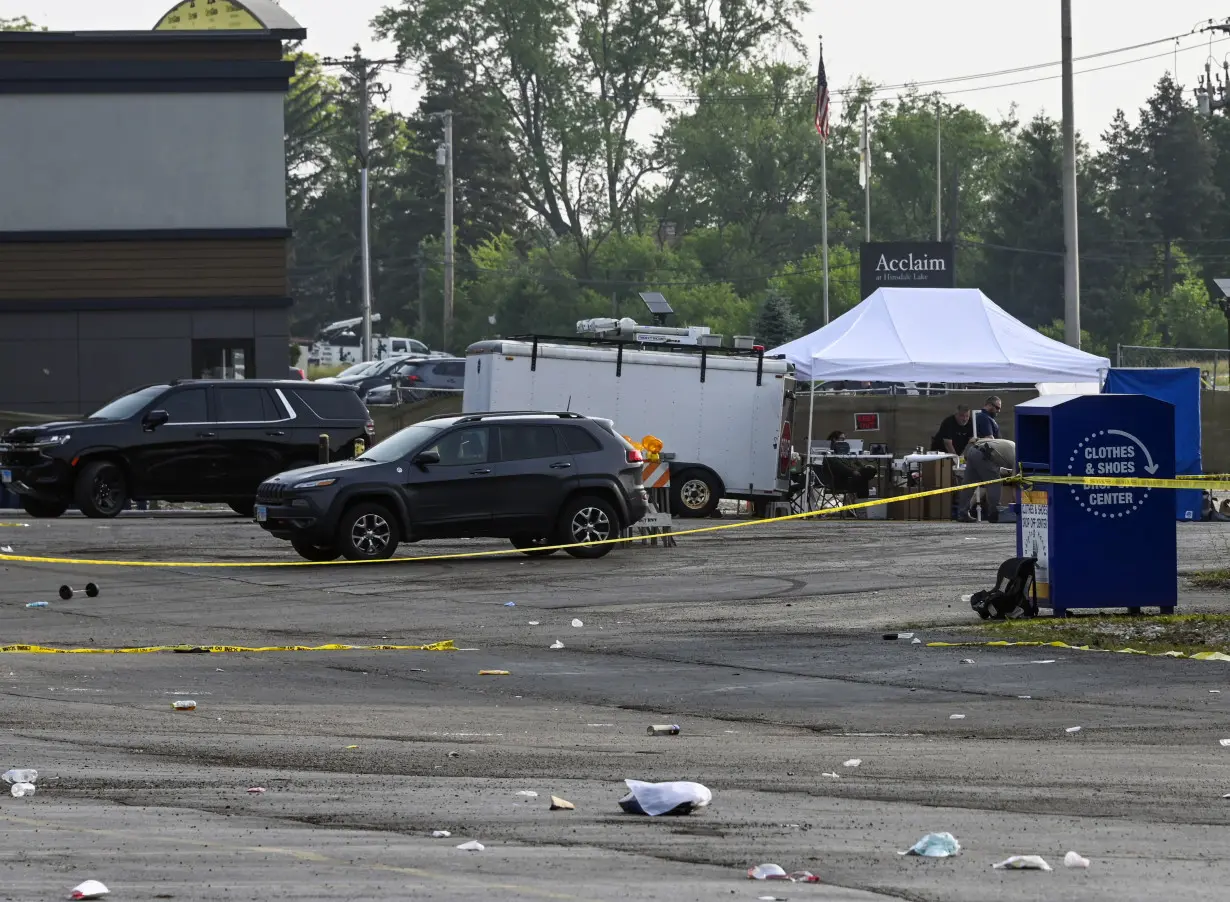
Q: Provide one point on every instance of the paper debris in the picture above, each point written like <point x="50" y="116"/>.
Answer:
<point x="440" y="834"/>
<point x="853" y="762"/>
<point x="831" y="775"/>
<point x="534" y="623"/>
<point x="1225" y="742"/>
<point x="1074" y="860"/>
<point x="256" y="790"/>
<point x="472" y="846"/>
<point x="1024" y="696"/>
<point x="510" y="604"/>
<point x="557" y="644"/>
<point x="956" y="717"/>
<point x="528" y="793"/>
<point x="1023" y="863"/>
<point x="558" y="804"/>
<point x="967" y="661"/>
<point x="91" y="889"/>
<point x="577" y="623"/>
<point x="1072" y="730"/>
<point x="495" y="673"/>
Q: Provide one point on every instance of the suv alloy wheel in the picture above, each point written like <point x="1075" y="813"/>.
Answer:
<point x="367" y="532"/>
<point x="102" y="491"/>
<point x="588" y="519"/>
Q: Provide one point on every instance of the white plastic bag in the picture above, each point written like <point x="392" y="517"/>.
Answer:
<point x="1023" y="863"/>
<point x="681" y="797"/>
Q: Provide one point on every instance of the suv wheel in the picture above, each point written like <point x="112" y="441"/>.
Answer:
<point x="318" y="553"/>
<point x="530" y="547"/>
<point x="693" y="494"/>
<point x="588" y="519"/>
<point x="243" y="508"/>
<point x="367" y="532"/>
<point x="37" y="507"/>
<point x="102" y="491"/>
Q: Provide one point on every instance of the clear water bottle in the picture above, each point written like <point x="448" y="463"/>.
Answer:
<point x="22" y="789"/>
<point x="20" y="775"/>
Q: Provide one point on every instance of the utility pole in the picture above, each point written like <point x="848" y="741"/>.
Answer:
<point x="421" y="259"/>
<point x="362" y="72"/>
<point x="444" y="157"/>
<point x="1209" y="97"/>
<point x="939" y="180"/>
<point x="1071" y="256"/>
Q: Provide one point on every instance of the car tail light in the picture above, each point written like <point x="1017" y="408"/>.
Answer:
<point x="370" y="428"/>
<point x="783" y="450"/>
<point x="413" y="378"/>
<point x="635" y="457"/>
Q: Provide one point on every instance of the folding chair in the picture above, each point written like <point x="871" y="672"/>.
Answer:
<point x="841" y="482"/>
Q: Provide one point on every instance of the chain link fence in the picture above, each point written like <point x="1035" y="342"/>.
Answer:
<point x="1213" y="363"/>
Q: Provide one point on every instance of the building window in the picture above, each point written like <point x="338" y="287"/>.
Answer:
<point x="223" y="358"/>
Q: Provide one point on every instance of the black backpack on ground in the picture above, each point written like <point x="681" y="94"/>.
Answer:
<point x="1015" y="594"/>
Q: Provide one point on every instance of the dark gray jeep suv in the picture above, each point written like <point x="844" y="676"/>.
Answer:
<point x="536" y="478"/>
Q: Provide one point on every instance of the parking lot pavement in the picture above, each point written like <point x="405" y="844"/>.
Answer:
<point x="763" y="644"/>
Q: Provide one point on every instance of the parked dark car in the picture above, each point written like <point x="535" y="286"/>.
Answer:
<point x="415" y="379"/>
<point x="535" y="478"/>
<point x="379" y="374"/>
<point x="192" y="440"/>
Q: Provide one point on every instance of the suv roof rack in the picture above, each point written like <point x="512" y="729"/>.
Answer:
<point x="600" y="341"/>
<point x="476" y="417"/>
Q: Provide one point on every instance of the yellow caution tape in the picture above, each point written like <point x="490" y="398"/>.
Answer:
<point x="495" y="552"/>
<point x="1184" y="482"/>
<point x="12" y="525"/>
<point x="447" y="645"/>
<point x="1003" y="643"/>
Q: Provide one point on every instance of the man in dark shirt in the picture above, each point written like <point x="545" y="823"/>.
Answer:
<point x="955" y="433"/>
<point x="984" y="421"/>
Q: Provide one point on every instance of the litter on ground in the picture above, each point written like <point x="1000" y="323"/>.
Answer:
<point x="934" y="845"/>
<point x="1023" y="863"/>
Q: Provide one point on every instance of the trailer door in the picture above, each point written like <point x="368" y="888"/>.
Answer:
<point x="785" y="443"/>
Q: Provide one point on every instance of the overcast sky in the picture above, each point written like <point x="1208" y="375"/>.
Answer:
<point x="888" y="41"/>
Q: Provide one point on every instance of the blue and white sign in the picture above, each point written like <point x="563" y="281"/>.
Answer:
<point x="1111" y="452"/>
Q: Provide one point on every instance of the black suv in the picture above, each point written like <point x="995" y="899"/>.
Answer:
<point x="535" y="478"/>
<point x="193" y="440"/>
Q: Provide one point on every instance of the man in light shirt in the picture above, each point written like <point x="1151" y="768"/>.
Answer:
<point x="986" y="458"/>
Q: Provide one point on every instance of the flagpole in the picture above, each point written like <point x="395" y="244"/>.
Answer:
<point x="822" y="115"/>
<point x="824" y="226"/>
<point x="867" y="170"/>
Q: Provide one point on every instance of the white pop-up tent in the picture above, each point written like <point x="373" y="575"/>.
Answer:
<point x="935" y="335"/>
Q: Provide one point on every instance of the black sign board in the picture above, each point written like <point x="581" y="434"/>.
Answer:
<point x="907" y="264"/>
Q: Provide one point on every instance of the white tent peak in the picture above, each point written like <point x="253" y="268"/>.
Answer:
<point x="935" y="335"/>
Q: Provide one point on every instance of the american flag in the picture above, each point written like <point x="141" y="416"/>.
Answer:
<point x="822" y="100"/>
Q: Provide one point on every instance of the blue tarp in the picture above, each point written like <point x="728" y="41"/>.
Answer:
<point x="1181" y="387"/>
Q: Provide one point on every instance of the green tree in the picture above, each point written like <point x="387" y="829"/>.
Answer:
<point x="20" y="23"/>
<point x="777" y="322"/>
<point x="803" y="283"/>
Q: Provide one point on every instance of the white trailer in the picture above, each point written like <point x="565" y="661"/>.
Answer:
<point x="726" y="416"/>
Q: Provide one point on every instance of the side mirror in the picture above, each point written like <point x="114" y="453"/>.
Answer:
<point x="155" y="418"/>
<point x="423" y="458"/>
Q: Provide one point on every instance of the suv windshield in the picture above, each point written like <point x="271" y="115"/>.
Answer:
<point x="399" y="445"/>
<point x="130" y="404"/>
<point x="356" y="369"/>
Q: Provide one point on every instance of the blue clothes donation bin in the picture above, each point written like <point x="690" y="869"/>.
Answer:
<point x="1099" y="546"/>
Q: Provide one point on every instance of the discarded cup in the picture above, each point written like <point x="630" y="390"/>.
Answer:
<point x="934" y="845"/>
<point x="1023" y="863"/>
<point x="906" y="636"/>
<point x="767" y="872"/>
<point x="664" y="729"/>
<point x="22" y="789"/>
<point x="20" y="775"/>
<point x="91" y="889"/>
<point x="186" y="704"/>
<point x="38" y="604"/>
<point x="472" y="846"/>
<point x="1075" y="860"/>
